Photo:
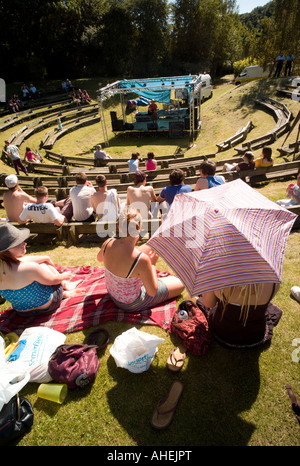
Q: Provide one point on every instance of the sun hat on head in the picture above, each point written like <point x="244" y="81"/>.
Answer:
<point x="11" y="181"/>
<point x="139" y="176"/>
<point x="11" y="236"/>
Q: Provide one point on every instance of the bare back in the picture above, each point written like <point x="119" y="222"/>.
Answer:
<point x="143" y="196"/>
<point x="233" y="295"/>
<point x="13" y="203"/>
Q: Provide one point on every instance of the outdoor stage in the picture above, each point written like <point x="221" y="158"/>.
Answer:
<point x="173" y="123"/>
<point x="178" y="99"/>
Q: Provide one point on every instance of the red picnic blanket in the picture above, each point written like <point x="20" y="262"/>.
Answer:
<point x="93" y="308"/>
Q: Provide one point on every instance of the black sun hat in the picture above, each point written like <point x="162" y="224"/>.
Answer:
<point x="11" y="236"/>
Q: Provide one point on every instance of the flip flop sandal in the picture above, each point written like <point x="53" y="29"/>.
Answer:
<point x="165" y="409"/>
<point x="176" y="359"/>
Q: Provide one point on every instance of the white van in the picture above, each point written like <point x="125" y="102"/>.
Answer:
<point x="250" y="73"/>
<point x="206" y="87"/>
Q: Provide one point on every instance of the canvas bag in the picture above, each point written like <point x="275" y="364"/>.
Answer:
<point x="194" y="332"/>
<point x="75" y="365"/>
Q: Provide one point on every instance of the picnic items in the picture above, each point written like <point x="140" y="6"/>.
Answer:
<point x="134" y="350"/>
<point x="165" y="409"/>
<point x="74" y="365"/>
<point x="53" y="392"/>
<point x="230" y="235"/>
<point x="16" y="419"/>
<point x="194" y="331"/>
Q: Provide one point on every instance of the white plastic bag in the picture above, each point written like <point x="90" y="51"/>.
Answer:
<point x="134" y="350"/>
<point x="36" y="346"/>
<point x="12" y="380"/>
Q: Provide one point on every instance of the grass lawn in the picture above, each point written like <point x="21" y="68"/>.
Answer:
<point x="230" y="397"/>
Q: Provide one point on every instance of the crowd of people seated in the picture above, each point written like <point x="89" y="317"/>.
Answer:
<point x="132" y="283"/>
<point x="80" y="97"/>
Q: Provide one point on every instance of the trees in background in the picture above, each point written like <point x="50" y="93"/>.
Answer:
<point x="139" y="38"/>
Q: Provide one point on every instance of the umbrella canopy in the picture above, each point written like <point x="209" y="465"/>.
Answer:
<point x="226" y="236"/>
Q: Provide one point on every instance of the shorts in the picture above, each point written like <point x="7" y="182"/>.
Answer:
<point x="144" y="301"/>
<point x="57" y="296"/>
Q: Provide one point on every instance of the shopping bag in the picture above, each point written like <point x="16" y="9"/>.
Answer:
<point x="34" y="350"/>
<point x="134" y="350"/>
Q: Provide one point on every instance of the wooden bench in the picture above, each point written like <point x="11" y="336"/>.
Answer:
<point x="238" y="137"/>
<point x="284" y="170"/>
<point x="78" y="123"/>
<point x="43" y="230"/>
<point x="292" y="148"/>
<point x="283" y="119"/>
<point x="104" y="229"/>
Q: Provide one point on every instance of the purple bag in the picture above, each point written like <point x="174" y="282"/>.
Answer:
<point x="74" y="365"/>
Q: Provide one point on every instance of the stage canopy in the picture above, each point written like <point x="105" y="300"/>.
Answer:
<point x="160" y="89"/>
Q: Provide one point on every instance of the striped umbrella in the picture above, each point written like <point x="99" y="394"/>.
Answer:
<point x="229" y="235"/>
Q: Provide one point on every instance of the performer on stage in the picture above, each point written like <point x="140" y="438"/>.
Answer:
<point x="152" y="110"/>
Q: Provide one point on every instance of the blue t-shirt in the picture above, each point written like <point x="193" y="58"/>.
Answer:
<point x="169" y="192"/>
<point x="214" y="181"/>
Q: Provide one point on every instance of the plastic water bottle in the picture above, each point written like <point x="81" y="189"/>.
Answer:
<point x="183" y="315"/>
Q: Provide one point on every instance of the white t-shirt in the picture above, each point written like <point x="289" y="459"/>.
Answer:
<point x="109" y="208"/>
<point x="133" y="165"/>
<point x="13" y="151"/>
<point x="81" y="200"/>
<point x="44" y="212"/>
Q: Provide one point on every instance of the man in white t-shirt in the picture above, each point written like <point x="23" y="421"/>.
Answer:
<point x="80" y="195"/>
<point x="41" y="211"/>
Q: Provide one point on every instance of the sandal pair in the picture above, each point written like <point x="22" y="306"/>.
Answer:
<point x="165" y="408"/>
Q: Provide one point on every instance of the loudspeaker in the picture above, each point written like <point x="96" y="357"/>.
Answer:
<point x="152" y="126"/>
<point x="176" y="129"/>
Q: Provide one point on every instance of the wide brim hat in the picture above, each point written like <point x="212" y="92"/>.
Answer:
<point x="11" y="236"/>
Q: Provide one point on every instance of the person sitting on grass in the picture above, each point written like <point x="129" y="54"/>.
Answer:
<point x="247" y="164"/>
<point x="31" y="284"/>
<point x="208" y="178"/>
<point x="132" y="282"/>
<point x="241" y="316"/>
<point x="265" y="159"/>
<point x="293" y="194"/>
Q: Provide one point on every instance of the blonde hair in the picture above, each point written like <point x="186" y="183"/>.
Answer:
<point x="245" y="295"/>
<point x="129" y="222"/>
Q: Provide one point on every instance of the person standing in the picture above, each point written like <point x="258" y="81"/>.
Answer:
<point x="289" y="64"/>
<point x="279" y="64"/>
<point x="13" y="153"/>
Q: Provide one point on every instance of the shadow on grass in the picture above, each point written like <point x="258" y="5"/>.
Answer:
<point x="218" y="387"/>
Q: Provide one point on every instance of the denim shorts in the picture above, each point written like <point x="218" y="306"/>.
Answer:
<point x="144" y="301"/>
<point x="57" y="296"/>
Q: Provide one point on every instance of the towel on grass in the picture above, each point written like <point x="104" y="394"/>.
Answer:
<point x="93" y="308"/>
